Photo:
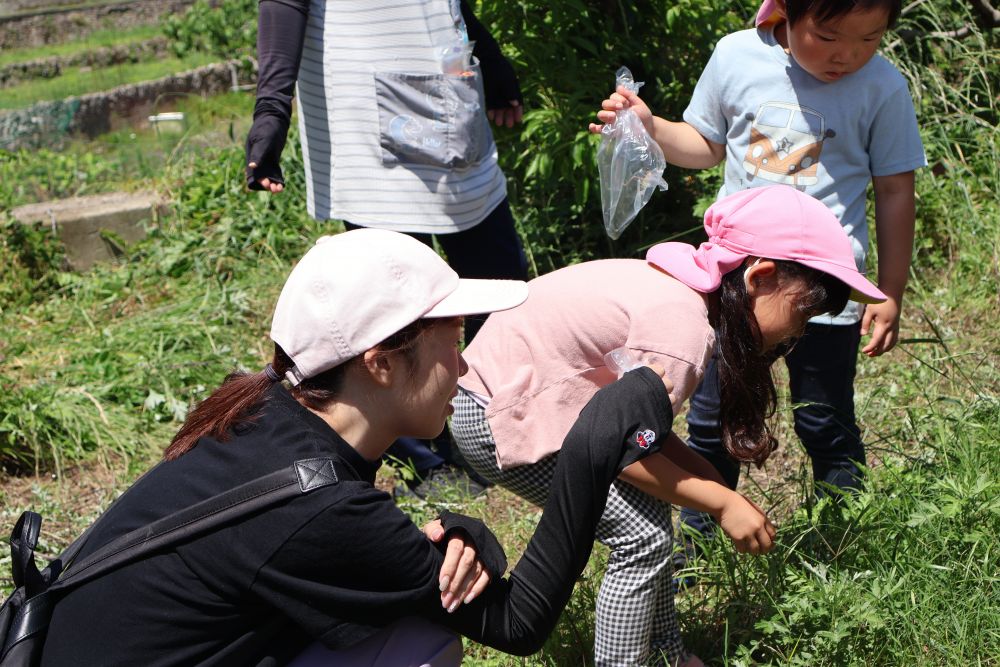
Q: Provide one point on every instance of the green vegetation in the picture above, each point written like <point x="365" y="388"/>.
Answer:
<point x="226" y="29"/>
<point x="84" y="81"/>
<point x="99" y="368"/>
<point x="95" y="40"/>
<point x="124" y="159"/>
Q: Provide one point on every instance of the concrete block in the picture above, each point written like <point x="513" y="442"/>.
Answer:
<point x="81" y="223"/>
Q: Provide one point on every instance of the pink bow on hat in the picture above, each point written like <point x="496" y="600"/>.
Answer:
<point x="774" y="222"/>
<point x="767" y="14"/>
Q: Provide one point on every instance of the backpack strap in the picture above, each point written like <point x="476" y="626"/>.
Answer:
<point x="301" y="477"/>
<point x="23" y="540"/>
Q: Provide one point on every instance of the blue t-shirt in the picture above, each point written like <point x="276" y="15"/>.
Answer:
<point x="782" y="125"/>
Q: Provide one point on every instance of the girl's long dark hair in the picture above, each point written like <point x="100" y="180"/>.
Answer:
<point x="746" y="387"/>
<point x="242" y="394"/>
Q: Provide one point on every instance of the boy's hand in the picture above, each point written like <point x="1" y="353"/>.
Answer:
<point x="881" y="320"/>
<point x="746" y="525"/>
<point x="462" y="577"/>
<point x="658" y="369"/>
<point x="622" y="99"/>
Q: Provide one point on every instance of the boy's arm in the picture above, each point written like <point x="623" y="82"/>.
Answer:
<point x="682" y="145"/>
<point x="894" y="223"/>
<point x="745" y="523"/>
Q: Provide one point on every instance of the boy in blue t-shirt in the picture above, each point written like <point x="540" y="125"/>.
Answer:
<point x="803" y="99"/>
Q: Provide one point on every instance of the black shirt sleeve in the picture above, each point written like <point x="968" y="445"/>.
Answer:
<point x="624" y="422"/>
<point x="499" y="79"/>
<point x="361" y="563"/>
<point x="281" y="28"/>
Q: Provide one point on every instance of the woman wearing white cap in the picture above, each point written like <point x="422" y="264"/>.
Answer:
<point x="774" y="258"/>
<point x="366" y="334"/>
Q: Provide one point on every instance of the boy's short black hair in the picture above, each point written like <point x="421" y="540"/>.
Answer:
<point x="825" y="10"/>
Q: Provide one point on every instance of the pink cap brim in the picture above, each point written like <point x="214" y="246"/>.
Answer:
<point x="862" y="289"/>
<point x="475" y="297"/>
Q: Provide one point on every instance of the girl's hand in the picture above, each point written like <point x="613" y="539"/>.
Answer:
<point x="746" y="525"/>
<point x="622" y="99"/>
<point x="462" y="577"/>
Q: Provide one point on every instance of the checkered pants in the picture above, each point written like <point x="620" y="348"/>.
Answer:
<point x="636" y="623"/>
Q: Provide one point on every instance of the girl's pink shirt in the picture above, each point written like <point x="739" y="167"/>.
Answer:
<point x="540" y="363"/>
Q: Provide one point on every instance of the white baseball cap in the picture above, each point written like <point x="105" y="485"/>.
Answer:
<point x="353" y="290"/>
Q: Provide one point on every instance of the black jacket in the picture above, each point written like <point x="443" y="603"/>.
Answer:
<point x="338" y="563"/>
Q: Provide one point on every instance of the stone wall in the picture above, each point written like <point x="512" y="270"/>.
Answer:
<point x="52" y="26"/>
<point x="51" y="123"/>
<point x="47" y="68"/>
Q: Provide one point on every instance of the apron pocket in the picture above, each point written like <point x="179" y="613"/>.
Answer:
<point x="432" y="119"/>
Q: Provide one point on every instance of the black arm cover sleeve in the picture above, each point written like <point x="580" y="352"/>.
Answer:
<point x="281" y="26"/>
<point x="499" y="80"/>
<point x="622" y="423"/>
<point x="488" y="549"/>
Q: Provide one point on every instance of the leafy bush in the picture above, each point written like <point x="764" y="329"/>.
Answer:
<point x="954" y="83"/>
<point x="904" y="573"/>
<point x="566" y="54"/>
<point x="32" y="259"/>
<point x="226" y="29"/>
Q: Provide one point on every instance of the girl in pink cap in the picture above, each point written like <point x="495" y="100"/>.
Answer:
<point x="775" y="257"/>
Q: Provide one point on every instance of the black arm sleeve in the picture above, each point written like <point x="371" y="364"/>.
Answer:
<point x="488" y="549"/>
<point x="622" y="423"/>
<point x="281" y="26"/>
<point x="499" y="80"/>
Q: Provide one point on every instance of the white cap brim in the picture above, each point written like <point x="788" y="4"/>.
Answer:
<point x="474" y="297"/>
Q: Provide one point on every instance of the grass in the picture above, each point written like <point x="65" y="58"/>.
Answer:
<point x="126" y="158"/>
<point x="91" y="42"/>
<point x="85" y="81"/>
<point x="99" y="368"/>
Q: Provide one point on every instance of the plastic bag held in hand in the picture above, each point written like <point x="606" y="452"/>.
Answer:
<point x="630" y="163"/>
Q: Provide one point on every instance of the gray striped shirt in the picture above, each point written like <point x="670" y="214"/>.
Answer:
<point x="366" y="160"/>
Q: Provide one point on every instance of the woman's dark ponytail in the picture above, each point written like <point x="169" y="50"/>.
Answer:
<point x="233" y="402"/>
<point x="241" y="395"/>
<point x="746" y="387"/>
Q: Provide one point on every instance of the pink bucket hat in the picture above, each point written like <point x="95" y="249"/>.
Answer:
<point x="767" y="14"/>
<point x="773" y="222"/>
<point x="353" y="290"/>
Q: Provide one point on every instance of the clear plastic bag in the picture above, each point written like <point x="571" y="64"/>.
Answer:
<point x="621" y="360"/>
<point x="630" y="164"/>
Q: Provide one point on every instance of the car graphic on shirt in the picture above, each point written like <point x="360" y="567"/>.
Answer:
<point x="785" y="143"/>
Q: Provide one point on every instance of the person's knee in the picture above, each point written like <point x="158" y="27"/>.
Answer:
<point x="650" y="547"/>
